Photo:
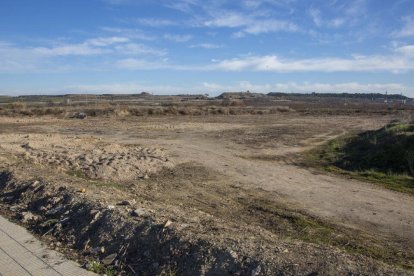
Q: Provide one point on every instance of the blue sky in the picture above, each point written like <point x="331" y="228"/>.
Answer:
<point x="210" y="46"/>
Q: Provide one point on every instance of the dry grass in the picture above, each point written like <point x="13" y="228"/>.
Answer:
<point x="106" y="109"/>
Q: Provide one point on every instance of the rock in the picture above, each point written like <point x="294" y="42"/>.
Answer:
<point x="168" y="224"/>
<point x="256" y="271"/>
<point x="54" y="211"/>
<point x="26" y="146"/>
<point x="111" y="207"/>
<point x="56" y="200"/>
<point x="233" y="254"/>
<point x="146" y="176"/>
<point x="93" y="212"/>
<point x="83" y="190"/>
<point x="27" y="217"/>
<point x="126" y="202"/>
<point x="109" y="259"/>
<point x="64" y="220"/>
<point x="95" y="217"/>
<point x="79" y="115"/>
<point x="139" y="212"/>
<point x="9" y="198"/>
<point x="14" y="208"/>
<point x="35" y="183"/>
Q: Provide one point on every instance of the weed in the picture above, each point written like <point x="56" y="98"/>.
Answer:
<point x="99" y="268"/>
<point x="77" y="173"/>
<point x="293" y="224"/>
<point x="381" y="156"/>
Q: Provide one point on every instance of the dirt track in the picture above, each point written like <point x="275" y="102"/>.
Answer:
<point x="349" y="202"/>
<point x="353" y="203"/>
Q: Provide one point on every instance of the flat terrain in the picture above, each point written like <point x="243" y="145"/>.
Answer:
<point x="230" y="170"/>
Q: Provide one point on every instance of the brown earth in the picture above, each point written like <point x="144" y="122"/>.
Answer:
<point x="232" y="185"/>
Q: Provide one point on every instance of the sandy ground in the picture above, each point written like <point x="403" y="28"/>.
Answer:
<point x="127" y="149"/>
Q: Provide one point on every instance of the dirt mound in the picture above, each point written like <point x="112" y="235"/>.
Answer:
<point x="127" y="238"/>
<point x="108" y="236"/>
<point x="89" y="157"/>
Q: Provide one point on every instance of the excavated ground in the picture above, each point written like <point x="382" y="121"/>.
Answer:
<point x="203" y="195"/>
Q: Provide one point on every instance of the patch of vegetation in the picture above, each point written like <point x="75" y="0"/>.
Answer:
<point x="105" y="183"/>
<point x="77" y="173"/>
<point x="96" y="182"/>
<point x="101" y="269"/>
<point x="384" y="156"/>
<point x="296" y="225"/>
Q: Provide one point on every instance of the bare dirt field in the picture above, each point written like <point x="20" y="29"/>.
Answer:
<point x="231" y="188"/>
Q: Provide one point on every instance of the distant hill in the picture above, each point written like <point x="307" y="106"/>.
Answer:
<point x="342" y="95"/>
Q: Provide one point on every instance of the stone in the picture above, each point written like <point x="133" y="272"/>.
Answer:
<point x="79" y="115"/>
<point x="14" y="208"/>
<point x="28" y="217"/>
<point x="168" y="224"/>
<point x="256" y="271"/>
<point x="93" y="212"/>
<point x="126" y="202"/>
<point x="109" y="259"/>
<point x="35" y="183"/>
<point x="139" y="212"/>
<point x="54" y="211"/>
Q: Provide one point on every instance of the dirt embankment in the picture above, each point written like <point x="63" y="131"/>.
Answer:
<point x="122" y="239"/>
<point x="122" y="236"/>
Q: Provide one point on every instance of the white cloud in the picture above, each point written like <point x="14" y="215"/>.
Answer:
<point x="307" y="87"/>
<point x="106" y="41"/>
<point x="400" y="60"/>
<point x="95" y="46"/>
<point x="269" y="26"/>
<point x="156" y="22"/>
<point x="183" y="5"/>
<point x="356" y="8"/>
<point x="272" y="63"/>
<point x="123" y="88"/>
<point x="319" y="22"/>
<point x="130" y="33"/>
<point x="177" y="38"/>
<point x="141" y="64"/>
<point x="407" y="29"/>
<point x="138" y="49"/>
<point x="316" y="16"/>
<point x="229" y="20"/>
<point x="250" y="24"/>
<point x="206" y="46"/>
<point x="407" y="50"/>
<point x="67" y="50"/>
<point x="17" y="59"/>
<point x="217" y="88"/>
